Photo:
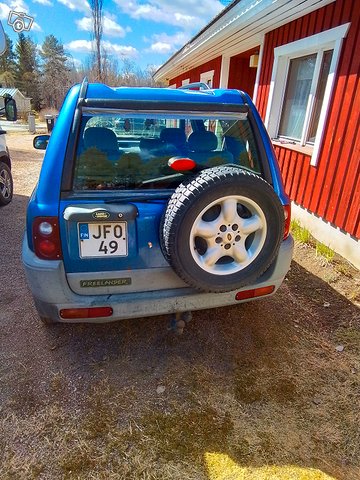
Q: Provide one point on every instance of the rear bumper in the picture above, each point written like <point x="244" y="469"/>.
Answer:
<point x="51" y="292"/>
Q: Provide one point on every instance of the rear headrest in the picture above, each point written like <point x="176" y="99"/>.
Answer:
<point x="203" y="141"/>
<point x="101" y="138"/>
<point x="150" y="143"/>
<point x="175" y="136"/>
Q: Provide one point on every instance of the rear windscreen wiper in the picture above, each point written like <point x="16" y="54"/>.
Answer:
<point x="146" y="197"/>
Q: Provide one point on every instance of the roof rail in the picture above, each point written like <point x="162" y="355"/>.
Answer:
<point x="83" y="90"/>
<point x="194" y="86"/>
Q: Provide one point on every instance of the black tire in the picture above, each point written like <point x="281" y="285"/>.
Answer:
<point x="6" y="184"/>
<point x="198" y="200"/>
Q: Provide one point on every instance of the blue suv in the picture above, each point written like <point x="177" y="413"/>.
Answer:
<point x="154" y="201"/>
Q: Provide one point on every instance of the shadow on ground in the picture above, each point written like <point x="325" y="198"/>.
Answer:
<point x="246" y="387"/>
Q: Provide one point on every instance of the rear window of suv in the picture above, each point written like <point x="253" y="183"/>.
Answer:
<point x="132" y="151"/>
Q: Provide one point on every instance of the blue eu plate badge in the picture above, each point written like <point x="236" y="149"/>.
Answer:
<point x="84" y="231"/>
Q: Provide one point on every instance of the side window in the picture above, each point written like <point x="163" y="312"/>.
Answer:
<point x="238" y="139"/>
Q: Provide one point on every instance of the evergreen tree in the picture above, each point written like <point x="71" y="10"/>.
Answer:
<point x="55" y="79"/>
<point x="8" y="65"/>
<point x="27" y="75"/>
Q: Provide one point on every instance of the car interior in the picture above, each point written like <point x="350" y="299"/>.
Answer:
<point x="128" y="153"/>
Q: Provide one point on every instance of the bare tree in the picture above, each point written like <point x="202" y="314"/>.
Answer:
<point x="115" y="73"/>
<point x="110" y="69"/>
<point x="97" y="16"/>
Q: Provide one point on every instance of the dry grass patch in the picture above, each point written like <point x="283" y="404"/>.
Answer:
<point x="277" y="395"/>
<point x="294" y="408"/>
<point x="349" y="337"/>
<point x="186" y="433"/>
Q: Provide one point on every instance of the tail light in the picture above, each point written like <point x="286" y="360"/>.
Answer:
<point x="91" y="312"/>
<point x="255" y="292"/>
<point x="46" y="238"/>
<point x="287" y="215"/>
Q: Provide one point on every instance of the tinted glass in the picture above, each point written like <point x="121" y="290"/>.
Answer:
<point x="117" y="152"/>
<point x="297" y="92"/>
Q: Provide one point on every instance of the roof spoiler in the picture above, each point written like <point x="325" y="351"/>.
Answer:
<point x="195" y="86"/>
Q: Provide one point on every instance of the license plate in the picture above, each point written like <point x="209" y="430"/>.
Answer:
<point x="102" y="239"/>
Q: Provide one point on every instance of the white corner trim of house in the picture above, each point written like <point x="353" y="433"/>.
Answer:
<point x="331" y="236"/>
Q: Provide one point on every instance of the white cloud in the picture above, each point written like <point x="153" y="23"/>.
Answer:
<point x="82" y="46"/>
<point x="36" y="26"/>
<point x="113" y="29"/>
<point x="110" y="27"/>
<point x="85" y="46"/>
<point x="46" y="3"/>
<point x="163" y="43"/>
<point x="177" y="39"/>
<point x="4" y="11"/>
<point x="122" y="50"/>
<point x="84" y="23"/>
<point x="79" y="5"/>
<point x="160" y="47"/>
<point x="75" y="62"/>
<point x="188" y="15"/>
<point x="17" y="6"/>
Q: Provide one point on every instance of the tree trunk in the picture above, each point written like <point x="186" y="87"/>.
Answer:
<point x="97" y="15"/>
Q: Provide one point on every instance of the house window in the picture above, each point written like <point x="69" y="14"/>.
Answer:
<point x="302" y="79"/>
<point x="301" y="85"/>
<point x="208" y="78"/>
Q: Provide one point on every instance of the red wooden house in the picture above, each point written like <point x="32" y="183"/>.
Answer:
<point x="300" y="62"/>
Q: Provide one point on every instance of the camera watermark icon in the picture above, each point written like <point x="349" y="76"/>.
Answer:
<point x="19" y="21"/>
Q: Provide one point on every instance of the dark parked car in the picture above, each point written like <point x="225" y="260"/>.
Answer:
<point x="6" y="181"/>
<point x="154" y="201"/>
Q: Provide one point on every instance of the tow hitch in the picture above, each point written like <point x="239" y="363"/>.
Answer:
<point x="178" y="322"/>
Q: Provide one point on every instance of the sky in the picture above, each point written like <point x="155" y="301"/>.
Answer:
<point x="147" y="32"/>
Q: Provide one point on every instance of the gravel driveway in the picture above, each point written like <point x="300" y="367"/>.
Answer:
<point x="266" y="385"/>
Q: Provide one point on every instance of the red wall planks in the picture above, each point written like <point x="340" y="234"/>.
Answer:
<point x="195" y="73"/>
<point x="330" y="189"/>
<point x="241" y="75"/>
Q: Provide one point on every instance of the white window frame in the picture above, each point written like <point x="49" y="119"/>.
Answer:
<point x="328" y="40"/>
<point x="258" y="70"/>
<point x="207" y="77"/>
<point x="185" y="82"/>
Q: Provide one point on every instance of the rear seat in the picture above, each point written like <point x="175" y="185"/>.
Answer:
<point x="150" y="148"/>
<point x="203" y="145"/>
<point x="104" y="140"/>
<point x="174" y="141"/>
